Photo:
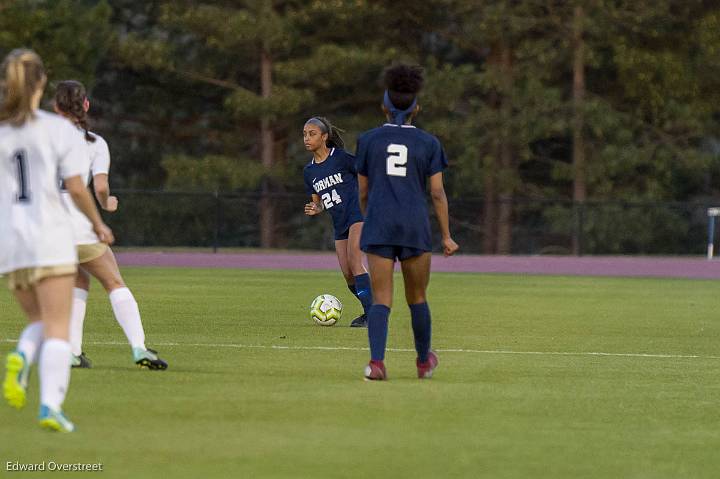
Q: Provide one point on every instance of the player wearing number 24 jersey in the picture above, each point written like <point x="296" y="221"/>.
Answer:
<point x="331" y="182"/>
<point x="335" y="182"/>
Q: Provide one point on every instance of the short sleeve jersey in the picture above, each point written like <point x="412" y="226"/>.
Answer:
<point x="335" y="182"/>
<point x="397" y="161"/>
<point x="35" y="229"/>
<point x="97" y="162"/>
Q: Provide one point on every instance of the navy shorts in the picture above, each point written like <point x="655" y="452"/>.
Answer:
<point x="391" y="252"/>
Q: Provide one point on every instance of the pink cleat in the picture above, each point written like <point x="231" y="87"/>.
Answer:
<point x="375" y="371"/>
<point x="425" y="370"/>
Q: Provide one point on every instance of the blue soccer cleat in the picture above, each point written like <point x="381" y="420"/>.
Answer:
<point x="54" y="420"/>
<point x="17" y="371"/>
<point x="360" y="322"/>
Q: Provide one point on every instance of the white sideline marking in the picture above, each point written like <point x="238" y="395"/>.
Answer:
<point x="403" y="350"/>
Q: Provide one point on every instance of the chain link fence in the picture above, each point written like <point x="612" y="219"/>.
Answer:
<point x="232" y="220"/>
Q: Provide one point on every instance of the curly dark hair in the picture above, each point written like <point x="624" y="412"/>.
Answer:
<point x="403" y="83"/>
<point x="69" y="98"/>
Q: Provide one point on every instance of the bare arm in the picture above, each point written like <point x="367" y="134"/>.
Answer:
<point x="102" y="192"/>
<point x="362" y="192"/>
<point x="439" y="199"/>
<point x="314" y="207"/>
<point x="81" y="197"/>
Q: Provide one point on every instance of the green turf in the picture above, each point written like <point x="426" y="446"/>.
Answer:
<point x="227" y="411"/>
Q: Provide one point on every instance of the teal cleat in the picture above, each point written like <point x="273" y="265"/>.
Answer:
<point x="81" y="361"/>
<point x="54" y="420"/>
<point x="17" y="372"/>
<point x="148" y="358"/>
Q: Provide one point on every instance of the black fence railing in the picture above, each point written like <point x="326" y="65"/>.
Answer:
<point x="197" y="219"/>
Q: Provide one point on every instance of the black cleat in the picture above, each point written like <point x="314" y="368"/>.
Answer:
<point x="81" y="361"/>
<point x="148" y="358"/>
<point x="359" y="322"/>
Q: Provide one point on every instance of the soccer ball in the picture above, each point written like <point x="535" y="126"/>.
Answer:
<point x="326" y="310"/>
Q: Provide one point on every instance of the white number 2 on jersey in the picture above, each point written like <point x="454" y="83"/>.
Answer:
<point x="331" y="199"/>
<point x="397" y="159"/>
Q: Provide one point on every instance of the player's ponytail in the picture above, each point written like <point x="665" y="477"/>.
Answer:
<point x="22" y="75"/>
<point x="334" y="139"/>
<point x="70" y="98"/>
<point x="403" y="83"/>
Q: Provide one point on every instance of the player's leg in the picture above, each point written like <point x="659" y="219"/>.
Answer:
<point x="360" y="274"/>
<point x="77" y="319"/>
<point x="341" y="249"/>
<point x="381" y="274"/>
<point x="54" y="297"/>
<point x="125" y="308"/>
<point x="19" y="362"/>
<point x="416" y="275"/>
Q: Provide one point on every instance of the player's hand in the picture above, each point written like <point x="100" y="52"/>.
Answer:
<point x="104" y="233"/>
<point x="311" y="209"/>
<point x="112" y="204"/>
<point x="449" y="246"/>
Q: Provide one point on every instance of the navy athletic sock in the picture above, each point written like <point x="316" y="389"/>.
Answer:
<point x="378" y="330"/>
<point x="364" y="292"/>
<point x="422" y="329"/>
<point x="354" y="291"/>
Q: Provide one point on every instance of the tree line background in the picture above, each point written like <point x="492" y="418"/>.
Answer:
<point x="553" y="113"/>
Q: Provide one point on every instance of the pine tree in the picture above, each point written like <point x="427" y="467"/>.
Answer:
<point x="273" y="62"/>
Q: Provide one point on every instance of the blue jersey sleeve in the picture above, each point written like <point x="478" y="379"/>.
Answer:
<point x="361" y="165"/>
<point x="351" y="163"/>
<point x="439" y="161"/>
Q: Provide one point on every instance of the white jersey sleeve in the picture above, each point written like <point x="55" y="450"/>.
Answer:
<point x="70" y="149"/>
<point x="99" y="156"/>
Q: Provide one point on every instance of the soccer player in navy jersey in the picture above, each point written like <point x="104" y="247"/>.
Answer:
<point x="394" y="162"/>
<point x="331" y="180"/>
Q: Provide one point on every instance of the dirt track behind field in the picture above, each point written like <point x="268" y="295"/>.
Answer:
<point x="658" y="267"/>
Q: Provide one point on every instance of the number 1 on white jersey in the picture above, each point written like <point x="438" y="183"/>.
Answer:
<point x="20" y="160"/>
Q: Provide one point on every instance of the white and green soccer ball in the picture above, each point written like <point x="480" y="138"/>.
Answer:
<point x="326" y="310"/>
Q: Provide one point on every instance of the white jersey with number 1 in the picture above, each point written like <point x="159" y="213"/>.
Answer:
<point x="35" y="229"/>
<point x="97" y="162"/>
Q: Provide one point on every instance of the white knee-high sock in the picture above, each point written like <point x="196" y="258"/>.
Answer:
<point x="30" y="340"/>
<point x="128" y="315"/>
<point x="54" y="372"/>
<point x="77" y="319"/>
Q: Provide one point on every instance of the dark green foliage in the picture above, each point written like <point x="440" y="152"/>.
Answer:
<point x="176" y="90"/>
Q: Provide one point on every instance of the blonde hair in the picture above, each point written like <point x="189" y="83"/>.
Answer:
<point x="22" y="74"/>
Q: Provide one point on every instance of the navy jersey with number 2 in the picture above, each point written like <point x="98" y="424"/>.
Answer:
<point x="397" y="161"/>
<point x="335" y="182"/>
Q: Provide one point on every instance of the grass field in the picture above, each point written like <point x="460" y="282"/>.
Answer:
<point x="255" y="389"/>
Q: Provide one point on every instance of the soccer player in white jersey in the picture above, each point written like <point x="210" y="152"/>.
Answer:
<point x="95" y="257"/>
<point x="37" y="250"/>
